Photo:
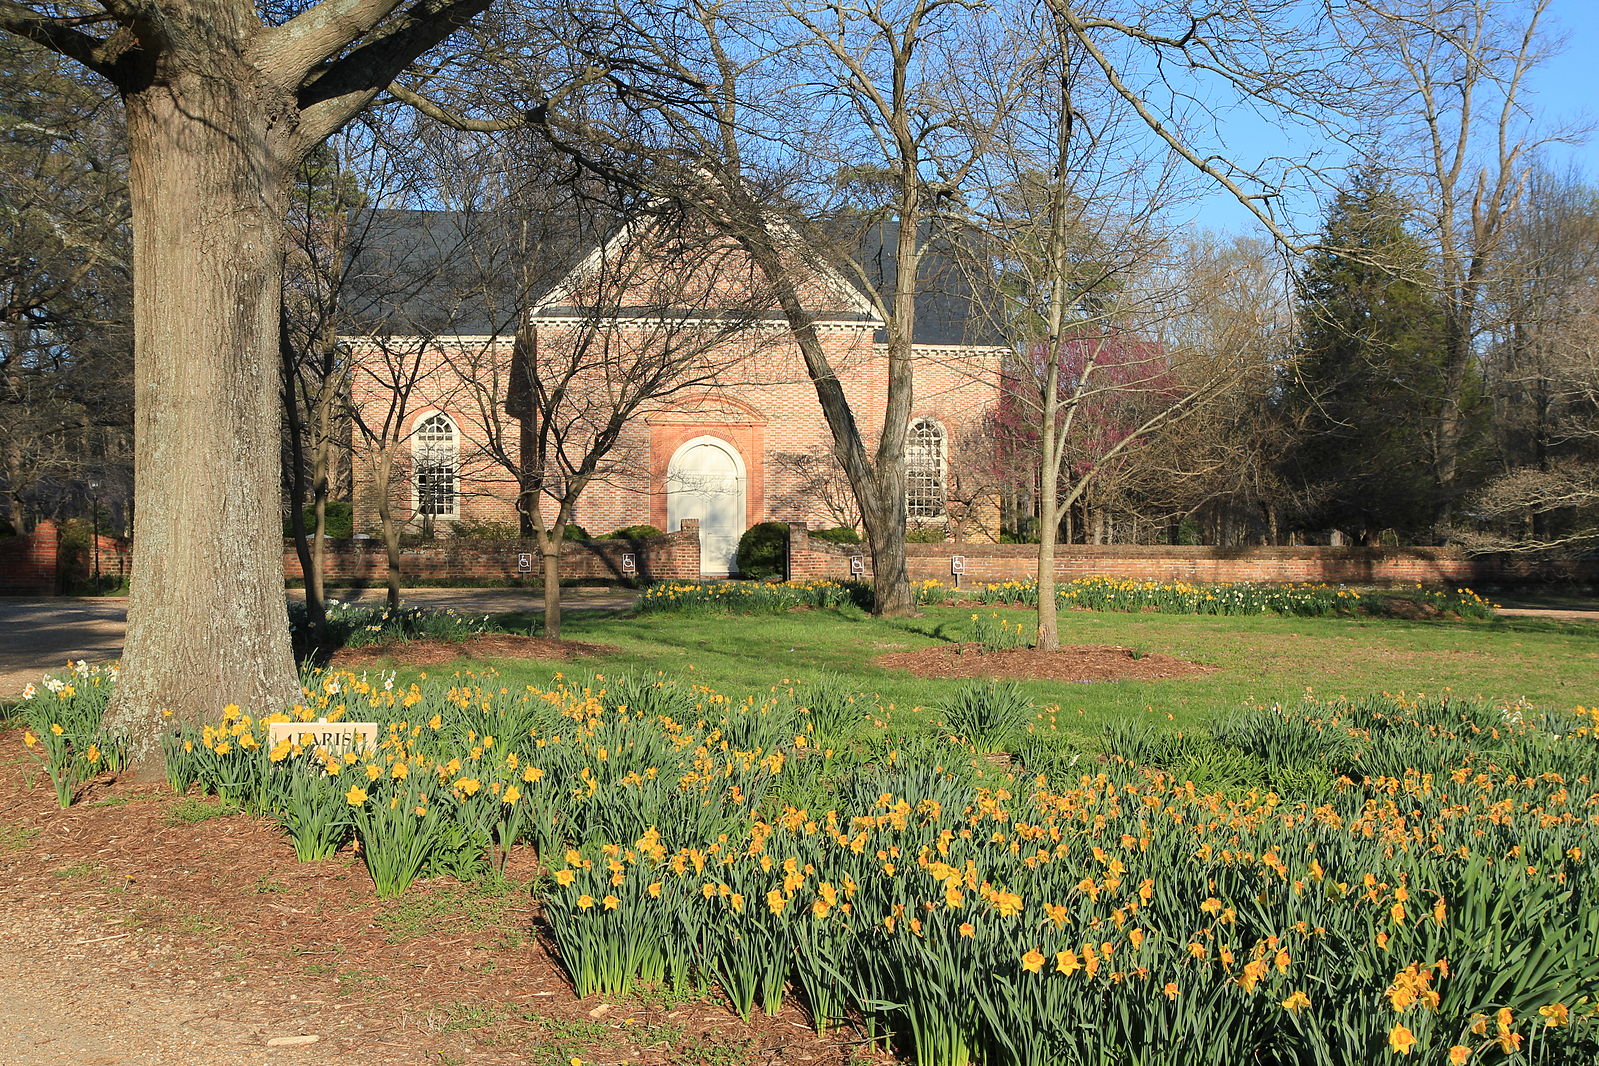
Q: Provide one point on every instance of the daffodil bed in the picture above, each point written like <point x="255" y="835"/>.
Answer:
<point x="1416" y="888"/>
<point x="352" y="625"/>
<point x="1089" y="593"/>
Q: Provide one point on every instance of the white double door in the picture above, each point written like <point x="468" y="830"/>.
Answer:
<point x="705" y="480"/>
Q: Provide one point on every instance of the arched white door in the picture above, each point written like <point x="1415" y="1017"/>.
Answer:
<point x="705" y="480"/>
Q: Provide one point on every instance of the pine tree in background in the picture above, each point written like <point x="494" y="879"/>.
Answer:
<point x="1362" y="392"/>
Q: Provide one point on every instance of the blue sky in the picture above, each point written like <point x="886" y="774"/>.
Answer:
<point x="1564" y="91"/>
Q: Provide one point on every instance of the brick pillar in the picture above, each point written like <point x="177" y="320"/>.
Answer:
<point x="799" y="546"/>
<point x="691" y="548"/>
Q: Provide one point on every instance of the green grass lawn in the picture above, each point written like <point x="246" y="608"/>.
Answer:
<point x="1259" y="659"/>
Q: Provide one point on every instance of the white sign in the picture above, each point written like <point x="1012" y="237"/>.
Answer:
<point x="524" y="563"/>
<point x="334" y="738"/>
<point x="957" y="564"/>
<point x="629" y="563"/>
<point x="857" y="564"/>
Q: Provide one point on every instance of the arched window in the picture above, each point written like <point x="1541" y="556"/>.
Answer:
<point x="924" y="469"/>
<point x="436" y="467"/>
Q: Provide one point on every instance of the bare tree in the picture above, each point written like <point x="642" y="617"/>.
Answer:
<point x="1220" y="465"/>
<point x="222" y="104"/>
<point x="1454" y="74"/>
<point x="405" y="302"/>
<point x="65" y="349"/>
<point x="1074" y="224"/>
<point x="663" y="306"/>
<point x="819" y="139"/>
<point x="1542" y="367"/>
<point x="316" y="371"/>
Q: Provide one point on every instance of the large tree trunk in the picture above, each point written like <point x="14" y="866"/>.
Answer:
<point x="879" y="486"/>
<point x="883" y="515"/>
<point x="206" y="619"/>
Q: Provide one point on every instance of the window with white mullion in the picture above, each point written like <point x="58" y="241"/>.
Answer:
<point x="924" y="469"/>
<point x="436" y="467"/>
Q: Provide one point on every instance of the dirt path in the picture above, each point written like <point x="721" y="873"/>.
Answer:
<point x="141" y="929"/>
<point x="1561" y="615"/>
<point x="77" y="996"/>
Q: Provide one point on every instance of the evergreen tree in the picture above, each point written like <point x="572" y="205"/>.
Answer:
<point x="1367" y="376"/>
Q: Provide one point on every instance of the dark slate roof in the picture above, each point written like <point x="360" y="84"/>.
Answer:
<point x="462" y="272"/>
<point x="440" y="272"/>
<point x="947" y="311"/>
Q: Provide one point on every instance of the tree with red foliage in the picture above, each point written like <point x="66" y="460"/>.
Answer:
<point x="1077" y="409"/>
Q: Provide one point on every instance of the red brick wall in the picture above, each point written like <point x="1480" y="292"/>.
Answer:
<point x="674" y="556"/>
<point x="987" y="563"/>
<point x="28" y="563"/>
<point x="38" y="565"/>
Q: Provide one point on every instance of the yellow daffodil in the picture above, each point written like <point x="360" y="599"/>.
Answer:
<point x="1555" y="1015"/>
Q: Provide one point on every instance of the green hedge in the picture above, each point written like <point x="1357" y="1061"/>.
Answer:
<point x="763" y="551"/>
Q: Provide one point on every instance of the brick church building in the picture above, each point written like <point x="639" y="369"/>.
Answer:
<point x="723" y="422"/>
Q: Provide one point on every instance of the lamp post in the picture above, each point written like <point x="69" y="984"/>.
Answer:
<point x="94" y="510"/>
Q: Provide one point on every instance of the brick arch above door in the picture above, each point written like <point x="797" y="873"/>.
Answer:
<point x="748" y="438"/>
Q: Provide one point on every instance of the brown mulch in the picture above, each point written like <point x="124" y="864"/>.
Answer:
<point x="1417" y="611"/>
<point x="488" y="646"/>
<point x="1079" y="662"/>
<point x="133" y="939"/>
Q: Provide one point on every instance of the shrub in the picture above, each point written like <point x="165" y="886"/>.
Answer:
<point x="576" y="532"/>
<point x="837" y="535"/>
<point x="644" y="532"/>
<point x="926" y="535"/>
<point x="338" y="518"/>
<point x="480" y="529"/>
<point x="763" y="551"/>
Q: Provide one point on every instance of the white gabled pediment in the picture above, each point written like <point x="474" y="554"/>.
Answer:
<point x="557" y="303"/>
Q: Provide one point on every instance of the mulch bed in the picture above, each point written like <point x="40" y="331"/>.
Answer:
<point x="488" y="646"/>
<point x="1079" y="662"/>
<point x="115" y="897"/>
